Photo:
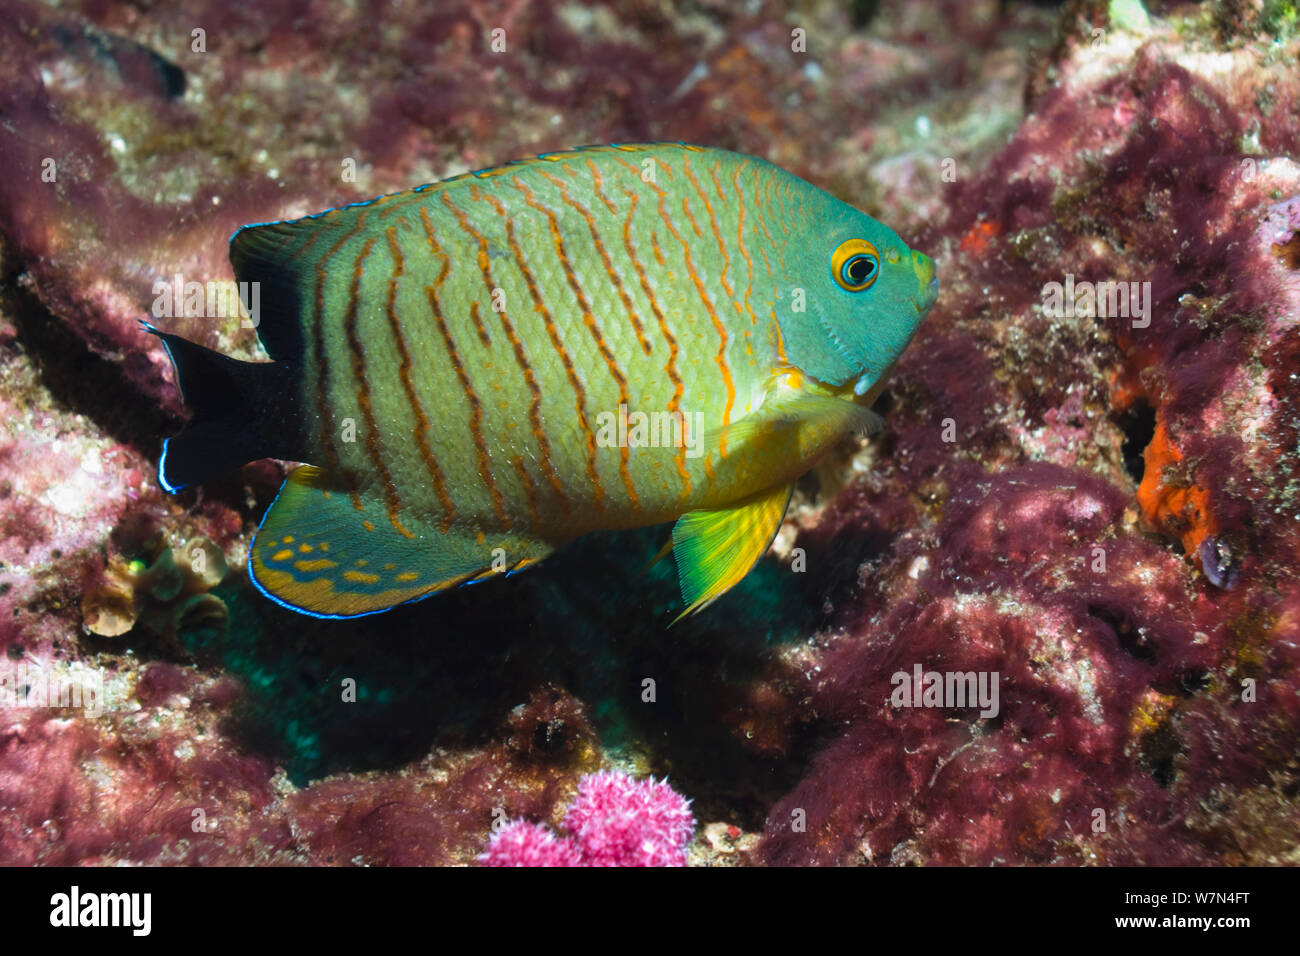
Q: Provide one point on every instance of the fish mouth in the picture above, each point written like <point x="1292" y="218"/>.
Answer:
<point x="927" y="282"/>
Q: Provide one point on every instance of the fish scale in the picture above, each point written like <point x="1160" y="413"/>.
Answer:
<point x="456" y="354"/>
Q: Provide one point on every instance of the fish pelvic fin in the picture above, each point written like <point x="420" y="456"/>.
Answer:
<point x="715" y="548"/>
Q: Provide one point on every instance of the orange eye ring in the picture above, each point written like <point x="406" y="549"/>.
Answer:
<point x="855" y="264"/>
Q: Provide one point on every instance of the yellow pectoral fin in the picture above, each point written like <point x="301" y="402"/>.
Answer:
<point x="797" y="406"/>
<point x="715" y="549"/>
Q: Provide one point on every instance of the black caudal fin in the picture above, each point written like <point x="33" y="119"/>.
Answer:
<point x="243" y="411"/>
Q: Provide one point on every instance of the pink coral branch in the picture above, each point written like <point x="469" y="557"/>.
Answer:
<point x="613" y="821"/>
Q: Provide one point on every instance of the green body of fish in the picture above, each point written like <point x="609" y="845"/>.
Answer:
<point x="481" y="370"/>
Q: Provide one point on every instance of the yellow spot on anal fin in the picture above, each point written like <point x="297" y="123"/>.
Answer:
<point x="715" y="549"/>
<point x="305" y="548"/>
<point x="361" y="577"/>
<point x="284" y="555"/>
<point x="320" y="564"/>
<point x="407" y="576"/>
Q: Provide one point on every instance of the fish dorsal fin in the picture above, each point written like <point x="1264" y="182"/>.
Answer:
<point x="715" y="548"/>
<point x="318" y="553"/>
<point x="282" y="257"/>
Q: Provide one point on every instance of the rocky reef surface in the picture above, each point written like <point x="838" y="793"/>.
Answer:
<point x="1095" y="501"/>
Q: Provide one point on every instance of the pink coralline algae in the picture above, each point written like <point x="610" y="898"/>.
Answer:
<point x="614" y="821"/>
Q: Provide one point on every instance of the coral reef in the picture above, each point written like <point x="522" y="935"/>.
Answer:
<point x="1093" y="499"/>
<point x="613" y="821"/>
<point x="1143" y="636"/>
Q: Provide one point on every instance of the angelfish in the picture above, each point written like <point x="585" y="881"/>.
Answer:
<point x="447" y="361"/>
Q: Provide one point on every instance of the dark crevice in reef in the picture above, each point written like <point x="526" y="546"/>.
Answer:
<point x="809" y="485"/>
<point x="134" y="65"/>
<point x="862" y="12"/>
<point x="81" y="381"/>
<point x="1193" y="679"/>
<point x="1160" y="750"/>
<point x="1138" y="423"/>
<point x="1131" y="639"/>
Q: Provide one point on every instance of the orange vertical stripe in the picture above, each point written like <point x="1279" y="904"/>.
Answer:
<point x="530" y="378"/>
<point x="670" y="368"/>
<point x="628" y="307"/>
<point x="589" y="320"/>
<point x="475" y="409"/>
<point x="392" y="501"/>
<point x="324" y="413"/>
<point x="408" y="384"/>
<point x="721" y="357"/>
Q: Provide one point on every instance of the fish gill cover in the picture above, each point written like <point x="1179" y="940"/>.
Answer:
<point x="1046" y="614"/>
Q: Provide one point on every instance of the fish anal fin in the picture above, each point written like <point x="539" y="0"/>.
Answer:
<point x="715" y="548"/>
<point x="317" y="553"/>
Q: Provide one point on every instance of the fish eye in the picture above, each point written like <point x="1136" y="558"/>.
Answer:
<point x="855" y="263"/>
<point x="859" y="269"/>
